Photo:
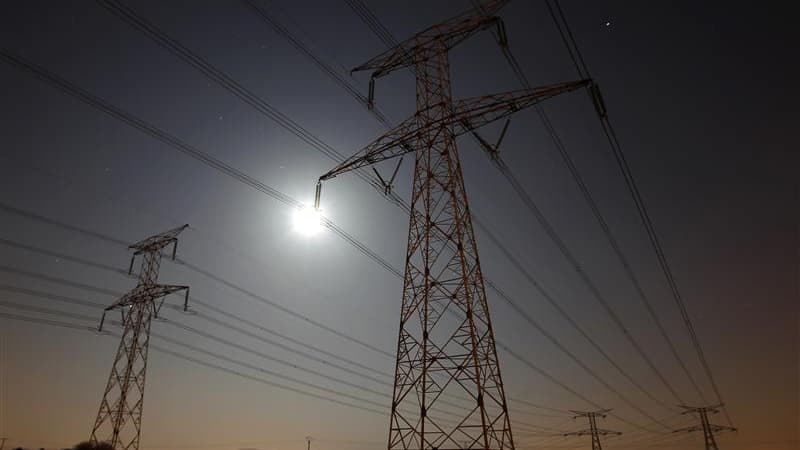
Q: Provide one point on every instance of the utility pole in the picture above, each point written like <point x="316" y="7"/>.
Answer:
<point x="593" y="431"/>
<point x="709" y="429"/>
<point x="119" y="419"/>
<point x="446" y="345"/>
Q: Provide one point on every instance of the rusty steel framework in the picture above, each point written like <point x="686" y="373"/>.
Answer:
<point x="446" y="346"/>
<point x="709" y="429"/>
<point x="119" y="420"/>
<point x="593" y="431"/>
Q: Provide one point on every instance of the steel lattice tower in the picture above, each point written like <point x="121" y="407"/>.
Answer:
<point x="119" y="420"/>
<point x="446" y="346"/>
<point x="593" y="431"/>
<point x="709" y="429"/>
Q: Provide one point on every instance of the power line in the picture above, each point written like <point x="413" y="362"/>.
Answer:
<point x="191" y="359"/>
<point x="184" y="357"/>
<point x="564" y="249"/>
<point x="370" y="20"/>
<point x="204" y="351"/>
<point x="226" y="82"/>
<point x="301" y="47"/>
<point x="185" y="327"/>
<point x="113" y="269"/>
<point x="180" y="325"/>
<point x="506" y="171"/>
<point x="630" y="182"/>
<point x="574" y="358"/>
<point x="207" y="352"/>
<point x="32" y="216"/>
<point x="174" y="142"/>
<point x="183" y="147"/>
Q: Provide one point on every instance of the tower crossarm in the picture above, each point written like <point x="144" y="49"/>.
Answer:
<point x="691" y="429"/>
<point x="432" y="40"/>
<point x="473" y="113"/>
<point x="609" y="432"/>
<point x="599" y="413"/>
<point x="712" y="427"/>
<point x="146" y="293"/>
<point x="150" y="296"/>
<point x="396" y="142"/>
<point x="588" y="432"/>
<point x="466" y="115"/>
<point x="713" y="409"/>
<point x="159" y="241"/>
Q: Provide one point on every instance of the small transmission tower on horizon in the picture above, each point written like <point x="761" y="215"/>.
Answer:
<point x="119" y="420"/>
<point x="3" y="389"/>
<point x="709" y="429"/>
<point x="446" y="345"/>
<point x="593" y="431"/>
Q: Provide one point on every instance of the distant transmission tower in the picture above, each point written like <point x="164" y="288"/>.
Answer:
<point x="3" y="389"/>
<point x="119" y="421"/>
<point x="709" y="429"/>
<point x="593" y="431"/>
<point x="441" y="354"/>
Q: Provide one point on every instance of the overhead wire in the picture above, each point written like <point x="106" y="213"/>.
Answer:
<point x="191" y="359"/>
<point x="301" y="47"/>
<point x="219" y="356"/>
<point x="62" y="298"/>
<point x="193" y="330"/>
<point x="105" y="291"/>
<point x="223" y="80"/>
<point x="371" y="20"/>
<point x="507" y="172"/>
<point x="208" y="318"/>
<point x="143" y="126"/>
<point x="580" y="64"/>
<point x="262" y="299"/>
<point x="194" y="300"/>
<point x="175" y="47"/>
<point x="185" y="148"/>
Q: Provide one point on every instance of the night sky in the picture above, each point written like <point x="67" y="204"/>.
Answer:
<point x="703" y="97"/>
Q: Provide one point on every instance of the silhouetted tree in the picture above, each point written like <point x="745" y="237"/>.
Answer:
<point x="93" y="446"/>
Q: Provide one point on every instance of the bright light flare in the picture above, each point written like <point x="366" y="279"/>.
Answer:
<point x="307" y="220"/>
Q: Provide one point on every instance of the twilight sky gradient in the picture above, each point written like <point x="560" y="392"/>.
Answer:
<point x="704" y="99"/>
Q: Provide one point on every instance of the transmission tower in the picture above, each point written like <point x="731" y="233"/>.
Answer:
<point x="442" y="354"/>
<point x="593" y="431"/>
<point x="3" y="390"/>
<point x="119" y="421"/>
<point x="709" y="429"/>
